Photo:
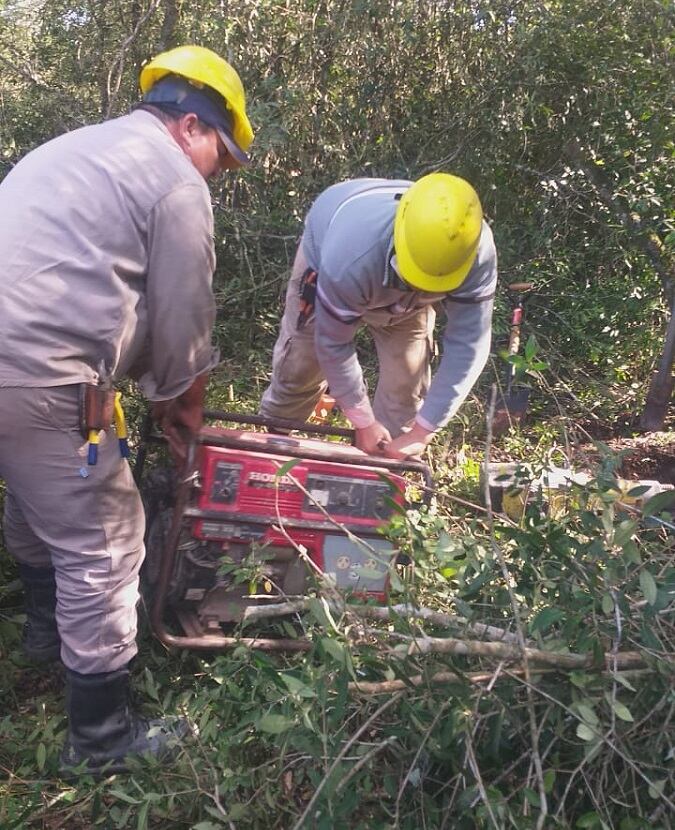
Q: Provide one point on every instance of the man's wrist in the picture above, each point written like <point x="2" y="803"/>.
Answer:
<point x="420" y="433"/>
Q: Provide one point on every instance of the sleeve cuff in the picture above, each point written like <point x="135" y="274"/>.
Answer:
<point x="361" y="415"/>
<point x="171" y="388"/>
<point x="425" y="424"/>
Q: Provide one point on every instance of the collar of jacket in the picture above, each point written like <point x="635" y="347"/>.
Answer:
<point x="391" y="278"/>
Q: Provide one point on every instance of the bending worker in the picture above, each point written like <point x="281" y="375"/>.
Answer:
<point x="106" y="243"/>
<point x="384" y="253"/>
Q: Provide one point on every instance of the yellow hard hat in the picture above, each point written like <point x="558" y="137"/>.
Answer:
<point x="436" y="232"/>
<point x="202" y="67"/>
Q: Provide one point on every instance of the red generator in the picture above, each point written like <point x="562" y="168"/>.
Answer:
<point x="252" y="516"/>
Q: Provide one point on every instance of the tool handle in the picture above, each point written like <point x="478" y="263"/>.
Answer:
<point x="520" y="286"/>
<point x="121" y="426"/>
<point x="92" y="451"/>
<point x="514" y="336"/>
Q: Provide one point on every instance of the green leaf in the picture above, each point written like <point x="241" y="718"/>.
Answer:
<point x="142" y="822"/>
<point x="624" y="532"/>
<point x="585" y="732"/>
<point x="217" y="814"/>
<point x="640" y="490"/>
<point x="631" y="553"/>
<point x="545" y="619"/>
<point x="237" y="811"/>
<point x="589" y="820"/>
<point x="286" y="466"/>
<point x="659" y="503"/>
<point x="516" y="360"/>
<point x="41" y="756"/>
<point x="150" y="685"/>
<point x="122" y="796"/>
<point x="624" y="682"/>
<point x="549" y="780"/>
<point x="296" y="686"/>
<point x="484" y="577"/>
<point x="579" y="679"/>
<point x="530" y="347"/>
<point x="607" y="604"/>
<point x="370" y="573"/>
<point x="274" y="724"/>
<point x="622" y="711"/>
<point x="395" y="580"/>
<point x="649" y="638"/>
<point x="318" y="610"/>
<point x="648" y="586"/>
<point x="587" y="714"/>
<point x="333" y="648"/>
<point x="532" y="797"/>
<point x="657" y="787"/>
<point x="206" y="825"/>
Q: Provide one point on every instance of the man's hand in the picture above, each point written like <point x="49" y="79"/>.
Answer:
<point x="181" y="418"/>
<point x="373" y="439"/>
<point x="409" y="444"/>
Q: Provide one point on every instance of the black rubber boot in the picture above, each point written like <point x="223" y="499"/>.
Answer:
<point x="103" y="729"/>
<point x="40" y="639"/>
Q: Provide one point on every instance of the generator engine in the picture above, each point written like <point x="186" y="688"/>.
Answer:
<point x="264" y="511"/>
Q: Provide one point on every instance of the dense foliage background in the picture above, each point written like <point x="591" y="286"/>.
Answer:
<point x="499" y="92"/>
<point x="560" y="113"/>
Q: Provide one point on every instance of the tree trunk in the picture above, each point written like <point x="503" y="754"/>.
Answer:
<point x="167" y="34"/>
<point x="661" y="388"/>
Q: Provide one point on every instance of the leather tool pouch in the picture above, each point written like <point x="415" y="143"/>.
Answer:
<point x="97" y="404"/>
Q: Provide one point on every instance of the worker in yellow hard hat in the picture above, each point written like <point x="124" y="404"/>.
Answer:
<point x="106" y="239"/>
<point x="385" y="253"/>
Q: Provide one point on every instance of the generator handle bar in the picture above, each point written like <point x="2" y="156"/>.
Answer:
<point x="278" y="423"/>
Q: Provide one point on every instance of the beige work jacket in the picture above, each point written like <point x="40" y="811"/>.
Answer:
<point x="106" y="261"/>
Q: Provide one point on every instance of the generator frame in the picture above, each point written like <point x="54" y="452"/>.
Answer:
<point x="195" y="638"/>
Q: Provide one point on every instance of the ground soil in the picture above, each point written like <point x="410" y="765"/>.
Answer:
<point x="650" y="456"/>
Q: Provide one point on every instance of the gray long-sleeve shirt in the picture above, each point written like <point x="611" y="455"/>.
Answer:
<point x="348" y="240"/>
<point x="106" y="258"/>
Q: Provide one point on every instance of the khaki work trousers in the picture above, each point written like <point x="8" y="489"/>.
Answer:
<point x="87" y="522"/>
<point x="404" y="345"/>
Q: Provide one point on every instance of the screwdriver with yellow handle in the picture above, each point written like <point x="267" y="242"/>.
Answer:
<point x="94" y="436"/>
<point x="121" y="426"/>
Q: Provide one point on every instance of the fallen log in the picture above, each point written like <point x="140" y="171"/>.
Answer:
<point x="504" y="651"/>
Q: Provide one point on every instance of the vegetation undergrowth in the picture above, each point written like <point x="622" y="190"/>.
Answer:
<point x="407" y="721"/>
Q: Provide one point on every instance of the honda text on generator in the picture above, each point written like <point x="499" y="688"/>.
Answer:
<point x="269" y="499"/>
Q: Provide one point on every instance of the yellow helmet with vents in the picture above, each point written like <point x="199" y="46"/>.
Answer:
<point x="436" y="232"/>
